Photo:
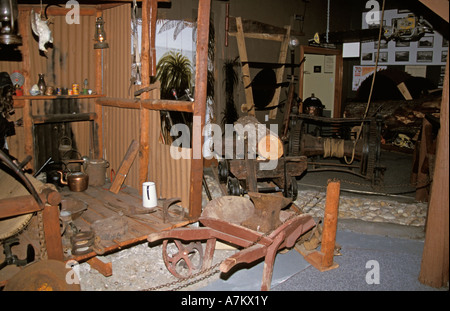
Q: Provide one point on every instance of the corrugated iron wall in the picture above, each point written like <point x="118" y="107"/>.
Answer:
<point x="121" y="126"/>
<point x="71" y="60"/>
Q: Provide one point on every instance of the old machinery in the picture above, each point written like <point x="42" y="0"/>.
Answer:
<point x="315" y="136"/>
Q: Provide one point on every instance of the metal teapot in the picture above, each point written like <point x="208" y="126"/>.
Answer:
<point x="77" y="181"/>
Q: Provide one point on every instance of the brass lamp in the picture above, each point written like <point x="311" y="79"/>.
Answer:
<point x="8" y="20"/>
<point x="100" y="34"/>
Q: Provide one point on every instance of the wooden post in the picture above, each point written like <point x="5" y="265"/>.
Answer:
<point x="149" y="9"/>
<point x="434" y="269"/>
<point x="24" y="26"/>
<point x="98" y="109"/>
<point x="196" y="177"/>
<point x="330" y="223"/>
<point x="280" y="73"/>
<point x="249" y="105"/>
<point x="52" y="233"/>
<point x="323" y="260"/>
<point x="125" y="167"/>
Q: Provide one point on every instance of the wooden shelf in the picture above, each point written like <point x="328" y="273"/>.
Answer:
<point x="49" y="97"/>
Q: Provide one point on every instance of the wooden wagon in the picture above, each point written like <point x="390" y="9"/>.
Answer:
<point x="236" y="221"/>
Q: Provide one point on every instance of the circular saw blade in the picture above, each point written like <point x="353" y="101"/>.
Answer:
<point x="44" y="275"/>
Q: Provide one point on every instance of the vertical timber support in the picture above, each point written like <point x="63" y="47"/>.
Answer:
<point x="195" y="193"/>
<point x="98" y="109"/>
<point x="24" y="25"/>
<point x="434" y="270"/>
<point x="323" y="260"/>
<point x="149" y="12"/>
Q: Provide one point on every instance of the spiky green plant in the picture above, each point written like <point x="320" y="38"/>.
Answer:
<point x="174" y="71"/>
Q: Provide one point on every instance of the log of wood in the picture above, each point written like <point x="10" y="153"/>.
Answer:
<point x="268" y="144"/>
<point x="398" y="116"/>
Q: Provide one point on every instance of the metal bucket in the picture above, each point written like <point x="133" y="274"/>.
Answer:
<point x="96" y="169"/>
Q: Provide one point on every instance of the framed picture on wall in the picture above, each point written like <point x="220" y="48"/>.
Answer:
<point x="431" y="49"/>
<point x="402" y="56"/>
<point x="424" y="56"/>
<point x="426" y="42"/>
<point x="367" y="56"/>
<point x="383" y="57"/>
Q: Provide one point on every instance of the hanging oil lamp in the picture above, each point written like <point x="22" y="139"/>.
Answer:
<point x="100" y="34"/>
<point x="9" y="23"/>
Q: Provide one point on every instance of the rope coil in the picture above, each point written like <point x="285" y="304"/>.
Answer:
<point x="333" y="147"/>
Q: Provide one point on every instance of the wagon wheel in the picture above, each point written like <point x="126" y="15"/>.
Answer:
<point x="182" y="260"/>
<point x="293" y="189"/>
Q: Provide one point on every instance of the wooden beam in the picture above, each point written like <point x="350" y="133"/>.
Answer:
<point x="59" y="11"/>
<point x="52" y="232"/>
<point x="67" y="117"/>
<point x="153" y="15"/>
<point x="280" y="73"/>
<point x="144" y="134"/>
<point x="151" y="104"/>
<point x="169" y="105"/>
<point x="98" y="109"/>
<point x="125" y="167"/>
<point x="27" y="204"/>
<point x="434" y="270"/>
<point x="440" y="7"/>
<point x="196" y="177"/>
<point x="249" y="105"/>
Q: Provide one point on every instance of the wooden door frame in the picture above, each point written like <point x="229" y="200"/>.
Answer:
<point x="338" y="75"/>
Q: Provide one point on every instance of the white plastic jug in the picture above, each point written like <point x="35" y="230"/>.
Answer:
<point x="149" y="198"/>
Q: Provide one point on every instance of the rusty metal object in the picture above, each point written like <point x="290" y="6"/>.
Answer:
<point x="77" y="181"/>
<point x="44" y="275"/>
<point x="238" y="170"/>
<point x="82" y="242"/>
<point x="312" y="135"/>
<point x="166" y="205"/>
<point x="182" y="260"/>
<point x="266" y="215"/>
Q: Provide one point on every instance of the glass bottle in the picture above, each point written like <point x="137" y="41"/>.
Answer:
<point x="41" y="84"/>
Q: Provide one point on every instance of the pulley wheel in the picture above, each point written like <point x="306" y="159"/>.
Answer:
<point x="182" y="260"/>
<point x="293" y="189"/>
<point x="223" y="171"/>
<point x="295" y="138"/>
<point x="44" y="275"/>
<point x="233" y="186"/>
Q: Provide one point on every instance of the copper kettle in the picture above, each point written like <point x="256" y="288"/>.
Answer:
<point x="77" y="181"/>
